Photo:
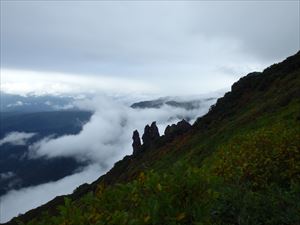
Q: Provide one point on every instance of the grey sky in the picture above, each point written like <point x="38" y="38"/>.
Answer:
<point x="174" y="43"/>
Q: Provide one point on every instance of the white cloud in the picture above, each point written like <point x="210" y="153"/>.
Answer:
<point x="16" y="138"/>
<point x="105" y="139"/>
<point x="16" y="202"/>
<point x="18" y="103"/>
<point x="107" y="136"/>
<point x="135" y="48"/>
<point x="98" y="36"/>
<point x="24" y="82"/>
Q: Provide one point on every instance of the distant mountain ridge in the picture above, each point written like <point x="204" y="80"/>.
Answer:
<point x="172" y="102"/>
<point x="44" y="103"/>
<point x="35" y="103"/>
<point x="44" y="123"/>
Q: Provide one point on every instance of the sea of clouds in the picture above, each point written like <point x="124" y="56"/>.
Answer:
<point x="105" y="139"/>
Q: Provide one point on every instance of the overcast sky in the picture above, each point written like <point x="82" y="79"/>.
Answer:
<point x="162" y="47"/>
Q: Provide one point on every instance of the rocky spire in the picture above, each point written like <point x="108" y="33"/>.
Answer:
<point x="150" y="134"/>
<point x="136" y="145"/>
<point x="154" y="129"/>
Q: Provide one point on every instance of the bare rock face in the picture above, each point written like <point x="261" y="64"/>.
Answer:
<point x="177" y="129"/>
<point x="136" y="145"/>
<point x="151" y="134"/>
<point x="154" y="131"/>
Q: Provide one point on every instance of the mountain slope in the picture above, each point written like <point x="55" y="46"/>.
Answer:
<point x="238" y="164"/>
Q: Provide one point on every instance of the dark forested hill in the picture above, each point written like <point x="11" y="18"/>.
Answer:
<point x="34" y="103"/>
<point x="173" y="102"/>
<point x="21" y="169"/>
<point x="238" y="164"/>
<point x="43" y="123"/>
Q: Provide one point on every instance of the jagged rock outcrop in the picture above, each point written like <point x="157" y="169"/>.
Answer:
<point x="151" y="134"/>
<point x="136" y="145"/>
<point x="177" y="129"/>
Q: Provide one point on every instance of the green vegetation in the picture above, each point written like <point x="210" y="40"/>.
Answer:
<point x="254" y="180"/>
<point x="240" y="165"/>
<point x="261" y="158"/>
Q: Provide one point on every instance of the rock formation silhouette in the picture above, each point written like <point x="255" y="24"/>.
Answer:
<point x="150" y="134"/>
<point x="177" y="129"/>
<point x="136" y="145"/>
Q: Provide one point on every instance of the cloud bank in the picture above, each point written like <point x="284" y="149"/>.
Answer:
<point x="16" y="138"/>
<point x="54" y="83"/>
<point x="16" y="202"/>
<point x="107" y="136"/>
<point x="101" y="35"/>
<point x="168" y="47"/>
<point x="105" y="139"/>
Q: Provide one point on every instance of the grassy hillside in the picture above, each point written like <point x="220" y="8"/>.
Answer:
<point x="239" y="164"/>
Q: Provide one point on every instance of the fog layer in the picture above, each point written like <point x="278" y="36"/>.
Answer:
<point x="105" y="139"/>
